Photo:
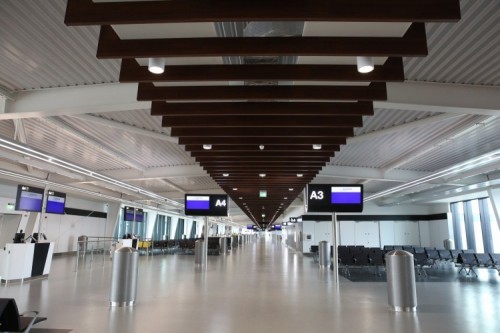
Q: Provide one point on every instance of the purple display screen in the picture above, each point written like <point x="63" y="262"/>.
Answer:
<point x="129" y="213"/>
<point x="29" y="199"/>
<point x="139" y="215"/>
<point x="198" y="202"/>
<point x="55" y="204"/>
<point x="346" y="195"/>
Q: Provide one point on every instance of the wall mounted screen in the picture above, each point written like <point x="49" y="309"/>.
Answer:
<point x="327" y="198"/>
<point x="206" y="204"/>
<point x="139" y="215"/>
<point x="250" y="226"/>
<point x="56" y="201"/>
<point x="129" y="214"/>
<point x="29" y="199"/>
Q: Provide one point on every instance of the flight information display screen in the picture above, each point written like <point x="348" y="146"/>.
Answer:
<point x="206" y="205"/>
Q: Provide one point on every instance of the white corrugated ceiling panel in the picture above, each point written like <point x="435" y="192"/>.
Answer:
<point x="466" y="52"/>
<point x="379" y="151"/>
<point x="194" y="183"/>
<point x="40" y="51"/>
<point x="53" y="140"/>
<point x="137" y="118"/>
<point x="147" y="151"/>
<point x="484" y="138"/>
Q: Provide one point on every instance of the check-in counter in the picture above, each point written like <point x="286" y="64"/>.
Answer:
<point x="25" y="260"/>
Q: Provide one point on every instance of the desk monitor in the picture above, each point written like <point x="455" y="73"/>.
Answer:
<point x="19" y="237"/>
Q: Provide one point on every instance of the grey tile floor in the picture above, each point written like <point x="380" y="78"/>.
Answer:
<point x="260" y="287"/>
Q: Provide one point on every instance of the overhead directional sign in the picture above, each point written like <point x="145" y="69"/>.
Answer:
<point x="206" y="204"/>
<point x="328" y="198"/>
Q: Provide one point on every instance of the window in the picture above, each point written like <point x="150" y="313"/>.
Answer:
<point x="180" y="229"/>
<point x="192" y="234"/>
<point x="162" y="227"/>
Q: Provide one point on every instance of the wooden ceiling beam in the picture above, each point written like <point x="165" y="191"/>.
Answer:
<point x="260" y="132"/>
<point x="374" y="92"/>
<point x="87" y="12"/>
<point x="272" y="148"/>
<point x="412" y="44"/>
<point x="209" y="153"/>
<point x="266" y="140"/>
<point x="262" y="108"/>
<point x="391" y="71"/>
<point x="262" y="121"/>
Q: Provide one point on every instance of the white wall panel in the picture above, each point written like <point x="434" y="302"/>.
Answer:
<point x="406" y="233"/>
<point x="347" y="236"/>
<point x="387" y="233"/>
<point x="367" y="233"/>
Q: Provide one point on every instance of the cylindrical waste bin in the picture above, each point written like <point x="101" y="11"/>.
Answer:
<point x="449" y="244"/>
<point x="324" y="254"/>
<point x="124" y="277"/>
<point x="234" y="242"/>
<point x="200" y="252"/>
<point x="223" y="245"/>
<point x="401" y="287"/>
<point x="82" y="244"/>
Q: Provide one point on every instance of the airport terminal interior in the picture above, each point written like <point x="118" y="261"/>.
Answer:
<point x="236" y="166"/>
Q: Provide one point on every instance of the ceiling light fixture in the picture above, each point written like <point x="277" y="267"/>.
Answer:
<point x="207" y="146"/>
<point x="261" y="147"/>
<point x="300" y="175"/>
<point x="365" y="64"/>
<point x="290" y="189"/>
<point x="156" y="65"/>
<point x="262" y="175"/>
<point x="225" y="175"/>
<point x="235" y="189"/>
<point x="316" y="147"/>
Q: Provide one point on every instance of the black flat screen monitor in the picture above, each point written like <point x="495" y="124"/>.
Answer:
<point x="29" y="199"/>
<point x="128" y="214"/>
<point x="56" y="201"/>
<point x="328" y="198"/>
<point x="277" y="227"/>
<point x="139" y="215"/>
<point x="19" y="237"/>
<point x="250" y="226"/>
<point x="206" y="204"/>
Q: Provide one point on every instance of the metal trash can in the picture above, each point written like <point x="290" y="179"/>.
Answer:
<point x="124" y="277"/>
<point x="449" y="244"/>
<point x="401" y="286"/>
<point x="83" y="244"/>
<point x="223" y="245"/>
<point x="324" y="254"/>
<point x="199" y="252"/>
<point x="234" y="242"/>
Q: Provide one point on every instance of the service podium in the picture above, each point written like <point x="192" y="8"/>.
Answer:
<point x="25" y="260"/>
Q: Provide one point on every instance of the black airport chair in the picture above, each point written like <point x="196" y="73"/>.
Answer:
<point x="408" y="248"/>
<point x="495" y="261"/>
<point x="418" y="249"/>
<point x="445" y="255"/>
<point x="433" y="256"/>
<point x="315" y="252"/>
<point x="483" y="259"/>
<point x="467" y="262"/>
<point x="388" y="248"/>
<point x="12" y="321"/>
<point x="421" y="261"/>
<point x="468" y="251"/>
<point x="454" y="254"/>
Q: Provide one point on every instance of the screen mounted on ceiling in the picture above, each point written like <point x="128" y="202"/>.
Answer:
<point x="206" y="205"/>
<point x="29" y="199"/>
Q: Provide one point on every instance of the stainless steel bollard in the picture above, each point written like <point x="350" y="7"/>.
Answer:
<point x="401" y="287"/>
<point x="124" y="277"/>
<point x="234" y="242"/>
<point x="83" y="243"/>
<point x="223" y="245"/>
<point x="324" y="254"/>
<point x="199" y="252"/>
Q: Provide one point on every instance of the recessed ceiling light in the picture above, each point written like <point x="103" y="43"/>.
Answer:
<point x="261" y="147"/>
<point x="300" y="175"/>
<point x="263" y="215"/>
<point x="156" y="65"/>
<point x="316" y="147"/>
<point x="241" y="198"/>
<point x="235" y="189"/>
<point x="207" y="147"/>
<point x="262" y="194"/>
<point x="286" y="198"/>
<point x="290" y="189"/>
<point x="262" y="175"/>
<point x="225" y="175"/>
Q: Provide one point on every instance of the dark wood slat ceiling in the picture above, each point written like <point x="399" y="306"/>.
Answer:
<point x="261" y="131"/>
<point x="86" y="12"/>
<point x="266" y="140"/>
<point x="373" y="92"/>
<point x="262" y="121"/>
<point x="391" y="71"/>
<point x="262" y="108"/>
<point x="412" y="44"/>
<point x="286" y="119"/>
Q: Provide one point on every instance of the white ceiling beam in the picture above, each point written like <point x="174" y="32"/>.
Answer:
<point x="172" y="185"/>
<point x="402" y="127"/>
<point x="40" y="165"/>
<point x="74" y="100"/>
<point x="3" y="103"/>
<point x="94" y="143"/>
<point x="413" y="96"/>
<point x="193" y="170"/>
<point x="20" y="134"/>
<point x="442" y="97"/>
<point x="126" y="127"/>
<point x="370" y="173"/>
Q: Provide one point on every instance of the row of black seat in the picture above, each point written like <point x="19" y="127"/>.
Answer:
<point x="186" y="246"/>
<point x="468" y="261"/>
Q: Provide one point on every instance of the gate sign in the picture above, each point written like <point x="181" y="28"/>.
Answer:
<point x="206" y="204"/>
<point x="328" y="198"/>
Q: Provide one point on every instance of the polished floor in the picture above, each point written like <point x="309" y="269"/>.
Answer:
<point x="261" y="286"/>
